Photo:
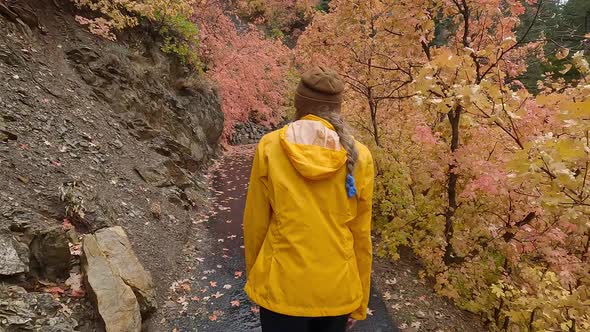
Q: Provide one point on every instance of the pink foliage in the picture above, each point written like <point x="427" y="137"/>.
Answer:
<point x="250" y="70"/>
<point x="424" y="135"/>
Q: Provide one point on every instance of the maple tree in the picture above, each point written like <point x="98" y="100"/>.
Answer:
<point x="251" y="71"/>
<point x="483" y="179"/>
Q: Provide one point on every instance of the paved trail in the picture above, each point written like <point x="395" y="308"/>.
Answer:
<point x="225" y="225"/>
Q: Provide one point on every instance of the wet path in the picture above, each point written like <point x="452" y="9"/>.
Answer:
<point x="225" y="267"/>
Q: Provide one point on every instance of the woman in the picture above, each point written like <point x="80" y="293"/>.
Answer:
<point x="307" y="221"/>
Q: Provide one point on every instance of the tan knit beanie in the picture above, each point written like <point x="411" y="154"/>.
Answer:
<point x="319" y="85"/>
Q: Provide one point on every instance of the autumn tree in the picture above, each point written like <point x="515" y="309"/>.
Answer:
<point x="464" y="172"/>
<point x="250" y="70"/>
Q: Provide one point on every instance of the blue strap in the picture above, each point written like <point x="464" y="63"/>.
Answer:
<point x="350" y="186"/>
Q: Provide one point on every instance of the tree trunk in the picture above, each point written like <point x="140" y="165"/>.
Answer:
<point x="454" y="118"/>
<point x="373" y="107"/>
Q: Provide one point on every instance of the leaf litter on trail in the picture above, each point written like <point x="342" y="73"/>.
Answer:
<point x="235" y="303"/>
<point x="215" y="315"/>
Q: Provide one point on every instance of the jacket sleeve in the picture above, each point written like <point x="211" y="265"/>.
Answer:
<point x="258" y="210"/>
<point x="361" y="232"/>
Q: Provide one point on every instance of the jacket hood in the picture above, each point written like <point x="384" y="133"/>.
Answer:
<point x="313" y="147"/>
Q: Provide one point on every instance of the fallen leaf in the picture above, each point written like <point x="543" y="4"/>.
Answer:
<point x="54" y="290"/>
<point x="213" y="283"/>
<point x="67" y="225"/>
<point x="238" y="274"/>
<point x="370" y="312"/>
<point x="186" y="286"/>
<point x="255" y="309"/>
<point x="227" y="286"/>
<point x="213" y="317"/>
<point x="235" y="303"/>
<point x="387" y="296"/>
<point x="391" y="281"/>
<point x="217" y="295"/>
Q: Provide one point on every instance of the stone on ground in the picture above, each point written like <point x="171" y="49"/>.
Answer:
<point x="50" y="252"/>
<point x="114" y="299"/>
<point x="22" y="311"/>
<point x="116" y="247"/>
<point x="14" y="256"/>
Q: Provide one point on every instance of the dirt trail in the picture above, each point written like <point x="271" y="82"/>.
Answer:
<point x="223" y="266"/>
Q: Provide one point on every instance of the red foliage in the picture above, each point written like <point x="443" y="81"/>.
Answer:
<point x="250" y="70"/>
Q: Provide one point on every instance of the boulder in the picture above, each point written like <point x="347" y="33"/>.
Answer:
<point x="116" y="247"/>
<point x="14" y="256"/>
<point x="50" y="253"/>
<point x="22" y="311"/>
<point x="114" y="299"/>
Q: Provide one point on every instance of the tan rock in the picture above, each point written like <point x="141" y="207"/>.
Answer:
<point x="115" y="301"/>
<point x="116" y="247"/>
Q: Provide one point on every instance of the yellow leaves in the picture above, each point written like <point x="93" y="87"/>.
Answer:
<point x="566" y="326"/>
<point x="581" y="63"/>
<point x="508" y="42"/>
<point x="562" y="53"/>
<point x="498" y="291"/>
<point x="566" y="69"/>
<point x="569" y="149"/>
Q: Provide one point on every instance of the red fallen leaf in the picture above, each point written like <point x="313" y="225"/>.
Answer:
<point x="213" y="283"/>
<point x="213" y="317"/>
<point x="186" y="286"/>
<point x="24" y="146"/>
<point x="76" y="293"/>
<point x="54" y="290"/>
<point x="195" y="298"/>
<point x="55" y="163"/>
<point x="238" y="274"/>
<point x="255" y="309"/>
<point x="67" y="225"/>
<point x="235" y="303"/>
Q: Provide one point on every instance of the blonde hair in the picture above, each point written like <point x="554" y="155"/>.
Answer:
<point x="331" y="113"/>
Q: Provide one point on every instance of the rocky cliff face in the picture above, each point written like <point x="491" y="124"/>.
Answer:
<point x="92" y="134"/>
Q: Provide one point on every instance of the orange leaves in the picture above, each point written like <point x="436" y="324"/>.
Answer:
<point x="54" y="290"/>
<point x="562" y="53"/>
<point x="515" y="155"/>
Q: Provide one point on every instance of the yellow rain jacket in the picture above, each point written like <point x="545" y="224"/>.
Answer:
<point x="308" y="246"/>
